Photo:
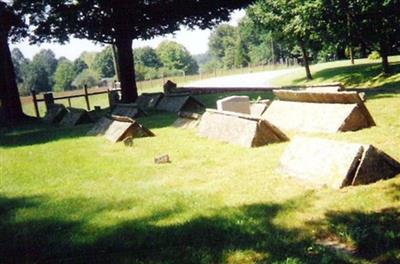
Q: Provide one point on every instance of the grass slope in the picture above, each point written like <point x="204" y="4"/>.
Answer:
<point x="67" y="197"/>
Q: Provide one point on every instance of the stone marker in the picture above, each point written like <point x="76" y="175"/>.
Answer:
<point x="162" y="159"/>
<point x="237" y="104"/>
<point x="187" y="120"/>
<point x="116" y="128"/>
<point x="76" y="116"/>
<point x="336" y="164"/>
<point x="147" y="101"/>
<point x="239" y="129"/>
<point x="169" y="87"/>
<point x="128" y="110"/>
<point x="179" y="102"/>
<point x="318" y="112"/>
<point x="55" y="113"/>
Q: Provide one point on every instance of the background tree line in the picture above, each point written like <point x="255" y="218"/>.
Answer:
<point x="307" y="31"/>
<point x="47" y="73"/>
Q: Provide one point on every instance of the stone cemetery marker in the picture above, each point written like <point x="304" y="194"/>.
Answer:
<point x="116" y="129"/>
<point x="318" y="111"/>
<point x="239" y="129"/>
<point x="187" y="120"/>
<point x="162" y="159"/>
<point x="335" y="164"/>
<point x="148" y="101"/>
<point x="128" y="110"/>
<point x="179" y="102"/>
<point x="55" y="114"/>
<point x="76" y="116"/>
<point x="237" y="104"/>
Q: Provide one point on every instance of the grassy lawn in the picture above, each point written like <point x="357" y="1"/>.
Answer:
<point x="364" y="74"/>
<point x="71" y="198"/>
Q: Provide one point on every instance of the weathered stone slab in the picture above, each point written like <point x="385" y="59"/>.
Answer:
<point x="187" y="120"/>
<point x="326" y="88"/>
<point x="318" y="112"/>
<point x="116" y="129"/>
<point x="148" y="101"/>
<point x="335" y="164"/>
<point x="177" y="103"/>
<point x="237" y="104"/>
<point x="128" y="110"/>
<point x="55" y="114"/>
<point x="76" y="116"/>
<point x="239" y="129"/>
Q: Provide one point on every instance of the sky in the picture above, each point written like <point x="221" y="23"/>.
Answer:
<point x="196" y="41"/>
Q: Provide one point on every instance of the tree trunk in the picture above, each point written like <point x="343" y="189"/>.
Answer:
<point x="10" y="104"/>
<point x="350" y="38"/>
<point x="127" y="69"/>
<point x="384" y="56"/>
<point x="351" y="53"/>
<point x="340" y="53"/>
<point x="306" y="62"/>
<point x="363" y="50"/>
<point x="115" y="62"/>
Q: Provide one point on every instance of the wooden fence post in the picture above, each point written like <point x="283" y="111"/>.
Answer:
<point x="35" y="103"/>
<point x="86" y="97"/>
<point x="48" y="100"/>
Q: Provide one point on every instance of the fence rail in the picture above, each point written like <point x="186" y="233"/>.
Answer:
<point x="49" y="99"/>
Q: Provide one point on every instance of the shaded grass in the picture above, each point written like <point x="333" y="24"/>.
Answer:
<point x="365" y="74"/>
<point x="67" y="197"/>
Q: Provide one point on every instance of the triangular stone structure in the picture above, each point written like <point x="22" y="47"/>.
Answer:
<point x="336" y="164"/>
<point x="187" y="120"/>
<point x="178" y="102"/>
<point x="128" y="110"/>
<point x="55" y="113"/>
<point x="318" y="111"/>
<point x="239" y="129"/>
<point x="116" y="128"/>
<point x="76" y="116"/>
<point x="147" y="101"/>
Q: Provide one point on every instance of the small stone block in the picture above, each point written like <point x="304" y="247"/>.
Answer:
<point x="162" y="159"/>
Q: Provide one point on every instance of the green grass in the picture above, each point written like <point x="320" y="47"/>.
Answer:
<point x="67" y="197"/>
<point x="364" y="74"/>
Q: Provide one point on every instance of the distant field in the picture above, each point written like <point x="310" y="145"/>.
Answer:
<point x="67" y="197"/>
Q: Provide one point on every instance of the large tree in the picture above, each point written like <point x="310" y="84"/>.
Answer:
<point x="10" y="104"/>
<point x="295" y="22"/>
<point x="175" y="56"/>
<point x="119" y="22"/>
<point x="373" y="24"/>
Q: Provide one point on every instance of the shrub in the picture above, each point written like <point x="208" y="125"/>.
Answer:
<point x="87" y="77"/>
<point x="374" y="55"/>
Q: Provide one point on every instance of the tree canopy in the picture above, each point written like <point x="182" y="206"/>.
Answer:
<point x="119" y="22"/>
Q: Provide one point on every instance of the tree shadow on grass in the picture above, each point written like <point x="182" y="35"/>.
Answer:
<point x="353" y="75"/>
<point x="245" y="234"/>
<point x="37" y="132"/>
<point x="375" y="235"/>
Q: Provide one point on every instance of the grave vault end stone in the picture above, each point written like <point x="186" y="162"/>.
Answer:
<point x="239" y="129"/>
<point x="336" y="164"/>
<point x="318" y="111"/>
<point x="117" y="128"/>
